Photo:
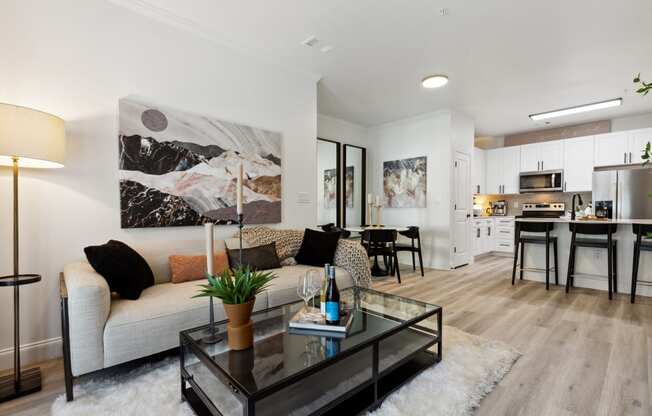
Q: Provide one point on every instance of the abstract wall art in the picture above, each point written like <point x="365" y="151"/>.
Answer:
<point x="330" y="188"/>
<point x="348" y="186"/>
<point x="404" y="183"/>
<point x="178" y="168"/>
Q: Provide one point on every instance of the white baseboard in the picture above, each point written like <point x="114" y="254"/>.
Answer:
<point x="32" y="352"/>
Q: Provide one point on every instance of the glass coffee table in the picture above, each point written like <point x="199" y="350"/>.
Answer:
<point x="391" y="340"/>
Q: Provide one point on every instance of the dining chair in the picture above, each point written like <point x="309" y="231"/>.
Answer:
<point x="382" y="243"/>
<point x="413" y="234"/>
<point x="331" y="228"/>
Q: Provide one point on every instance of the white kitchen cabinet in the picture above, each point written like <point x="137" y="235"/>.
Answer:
<point x="552" y="155"/>
<point x="483" y="236"/>
<point x="511" y="168"/>
<point x="578" y="164"/>
<point x="611" y="148"/>
<point x="542" y="156"/>
<point x="637" y="141"/>
<point x="504" y="235"/>
<point x="530" y="160"/>
<point x="503" y="166"/>
<point x="479" y="171"/>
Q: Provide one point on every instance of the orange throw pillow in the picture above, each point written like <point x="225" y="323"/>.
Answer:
<point x="187" y="268"/>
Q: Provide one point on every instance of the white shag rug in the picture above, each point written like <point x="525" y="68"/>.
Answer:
<point x="471" y="367"/>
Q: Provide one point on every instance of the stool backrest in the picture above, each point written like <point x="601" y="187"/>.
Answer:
<point x="412" y="232"/>
<point x="645" y="229"/>
<point x="379" y="236"/>
<point x="536" y="227"/>
<point x="592" y="229"/>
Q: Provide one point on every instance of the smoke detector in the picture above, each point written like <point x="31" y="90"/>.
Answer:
<point x="310" y="41"/>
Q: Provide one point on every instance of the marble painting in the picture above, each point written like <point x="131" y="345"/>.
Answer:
<point x="404" y="183"/>
<point x="178" y="168"/>
<point x="330" y="188"/>
<point x="348" y="186"/>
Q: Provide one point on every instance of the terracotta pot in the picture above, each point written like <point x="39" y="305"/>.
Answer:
<point x="240" y="330"/>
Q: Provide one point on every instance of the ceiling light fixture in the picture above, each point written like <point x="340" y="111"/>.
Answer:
<point x="578" y="109"/>
<point x="434" y="81"/>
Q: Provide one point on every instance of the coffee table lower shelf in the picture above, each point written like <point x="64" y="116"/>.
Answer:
<point x="365" y="397"/>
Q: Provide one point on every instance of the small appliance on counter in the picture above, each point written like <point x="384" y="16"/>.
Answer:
<point x="604" y="209"/>
<point x="499" y="208"/>
<point x="544" y="210"/>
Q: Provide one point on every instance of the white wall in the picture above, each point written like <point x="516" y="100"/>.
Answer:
<point x="435" y="136"/>
<point x="76" y="58"/>
<point x="639" y="121"/>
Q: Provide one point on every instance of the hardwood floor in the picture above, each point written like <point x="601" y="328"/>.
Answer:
<point x="582" y="354"/>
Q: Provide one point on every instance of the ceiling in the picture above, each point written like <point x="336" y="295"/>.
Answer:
<point x="505" y="58"/>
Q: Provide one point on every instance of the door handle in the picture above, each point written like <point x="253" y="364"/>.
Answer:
<point x="564" y="186"/>
<point x="478" y="188"/>
<point x="625" y="158"/>
<point x="488" y="231"/>
<point x="538" y="167"/>
<point x="477" y="233"/>
<point x="542" y="165"/>
<point x="630" y="157"/>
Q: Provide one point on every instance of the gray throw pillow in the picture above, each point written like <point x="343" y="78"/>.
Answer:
<point x="258" y="258"/>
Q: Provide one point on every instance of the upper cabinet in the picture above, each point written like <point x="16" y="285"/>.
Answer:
<point x="637" y="141"/>
<point x="622" y="147"/>
<point x="611" y="148"/>
<point x="578" y="164"/>
<point x="502" y="170"/>
<point x="479" y="171"/>
<point x="542" y="156"/>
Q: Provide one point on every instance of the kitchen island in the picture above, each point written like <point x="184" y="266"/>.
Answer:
<point x="591" y="263"/>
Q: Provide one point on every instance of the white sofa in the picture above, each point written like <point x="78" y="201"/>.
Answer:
<point x="101" y="330"/>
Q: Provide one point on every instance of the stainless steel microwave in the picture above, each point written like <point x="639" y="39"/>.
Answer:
<point x="541" y="181"/>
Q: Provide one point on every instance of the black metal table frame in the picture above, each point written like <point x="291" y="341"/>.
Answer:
<point x="202" y="405"/>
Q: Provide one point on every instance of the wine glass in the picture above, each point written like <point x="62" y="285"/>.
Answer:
<point x="305" y="287"/>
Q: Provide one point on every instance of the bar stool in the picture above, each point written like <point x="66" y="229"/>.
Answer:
<point x="547" y="239"/>
<point x="610" y="244"/>
<point x="639" y="245"/>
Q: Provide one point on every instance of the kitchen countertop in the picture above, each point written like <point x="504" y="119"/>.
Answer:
<point x="567" y="220"/>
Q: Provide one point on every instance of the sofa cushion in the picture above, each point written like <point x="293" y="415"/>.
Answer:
<point x="283" y="289"/>
<point x="317" y="248"/>
<point x="126" y="271"/>
<point x="257" y="258"/>
<point x="152" y="323"/>
<point x="188" y="268"/>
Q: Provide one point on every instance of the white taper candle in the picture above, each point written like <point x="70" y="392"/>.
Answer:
<point x="239" y="189"/>
<point x="208" y="229"/>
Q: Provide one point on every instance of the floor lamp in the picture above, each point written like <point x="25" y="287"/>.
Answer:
<point x="28" y="139"/>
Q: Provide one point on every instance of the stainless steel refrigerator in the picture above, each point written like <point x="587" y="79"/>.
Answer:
<point x="623" y="192"/>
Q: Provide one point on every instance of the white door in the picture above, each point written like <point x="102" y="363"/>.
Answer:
<point x="578" y="164"/>
<point x="462" y="200"/>
<point x="637" y="141"/>
<point x="551" y="155"/>
<point x="478" y="170"/>
<point x="530" y="160"/>
<point x="494" y="171"/>
<point x="611" y="149"/>
<point x="511" y="169"/>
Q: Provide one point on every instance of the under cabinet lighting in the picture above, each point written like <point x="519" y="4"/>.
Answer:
<point x="579" y="109"/>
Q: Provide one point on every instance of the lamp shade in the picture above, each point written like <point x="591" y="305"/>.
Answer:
<point x="35" y="138"/>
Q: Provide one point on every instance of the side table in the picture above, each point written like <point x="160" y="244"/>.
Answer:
<point x="25" y="382"/>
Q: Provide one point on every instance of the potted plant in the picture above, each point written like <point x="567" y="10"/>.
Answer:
<point x="643" y="89"/>
<point x="237" y="288"/>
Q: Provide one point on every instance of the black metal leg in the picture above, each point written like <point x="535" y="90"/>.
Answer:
<point x="414" y="260"/>
<point x="515" y="261"/>
<point x="547" y="259"/>
<point x="440" y="327"/>
<point x="610" y="265"/>
<point x="615" y="261"/>
<point x="571" y="258"/>
<point x="65" y="334"/>
<point x="522" y="259"/>
<point x="396" y="268"/>
<point x="637" y="255"/>
<point x="420" y="260"/>
<point x="554" y="251"/>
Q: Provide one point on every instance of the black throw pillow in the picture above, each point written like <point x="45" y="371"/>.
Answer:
<point x="317" y="248"/>
<point x="126" y="271"/>
<point x="257" y="258"/>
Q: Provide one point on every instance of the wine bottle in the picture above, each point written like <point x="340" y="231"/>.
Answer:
<point x="324" y="287"/>
<point x="332" y="300"/>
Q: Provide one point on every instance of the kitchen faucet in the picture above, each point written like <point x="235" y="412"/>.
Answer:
<point x="573" y="205"/>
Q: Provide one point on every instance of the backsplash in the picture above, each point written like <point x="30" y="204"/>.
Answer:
<point x="515" y="201"/>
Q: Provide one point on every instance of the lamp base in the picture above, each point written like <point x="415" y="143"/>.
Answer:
<point x="30" y="382"/>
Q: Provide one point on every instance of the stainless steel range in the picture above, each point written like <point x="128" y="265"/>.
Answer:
<point x="544" y="210"/>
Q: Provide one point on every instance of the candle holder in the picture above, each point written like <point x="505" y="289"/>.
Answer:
<point x="212" y="337"/>
<point x="240" y="227"/>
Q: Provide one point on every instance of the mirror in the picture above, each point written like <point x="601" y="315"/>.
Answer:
<point x="354" y="185"/>
<point x="328" y="182"/>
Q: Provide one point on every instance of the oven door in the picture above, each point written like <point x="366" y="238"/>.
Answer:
<point x="542" y="181"/>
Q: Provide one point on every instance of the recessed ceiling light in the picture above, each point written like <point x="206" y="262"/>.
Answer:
<point x="434" y="81"/>
<point x="578" y="109"/>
